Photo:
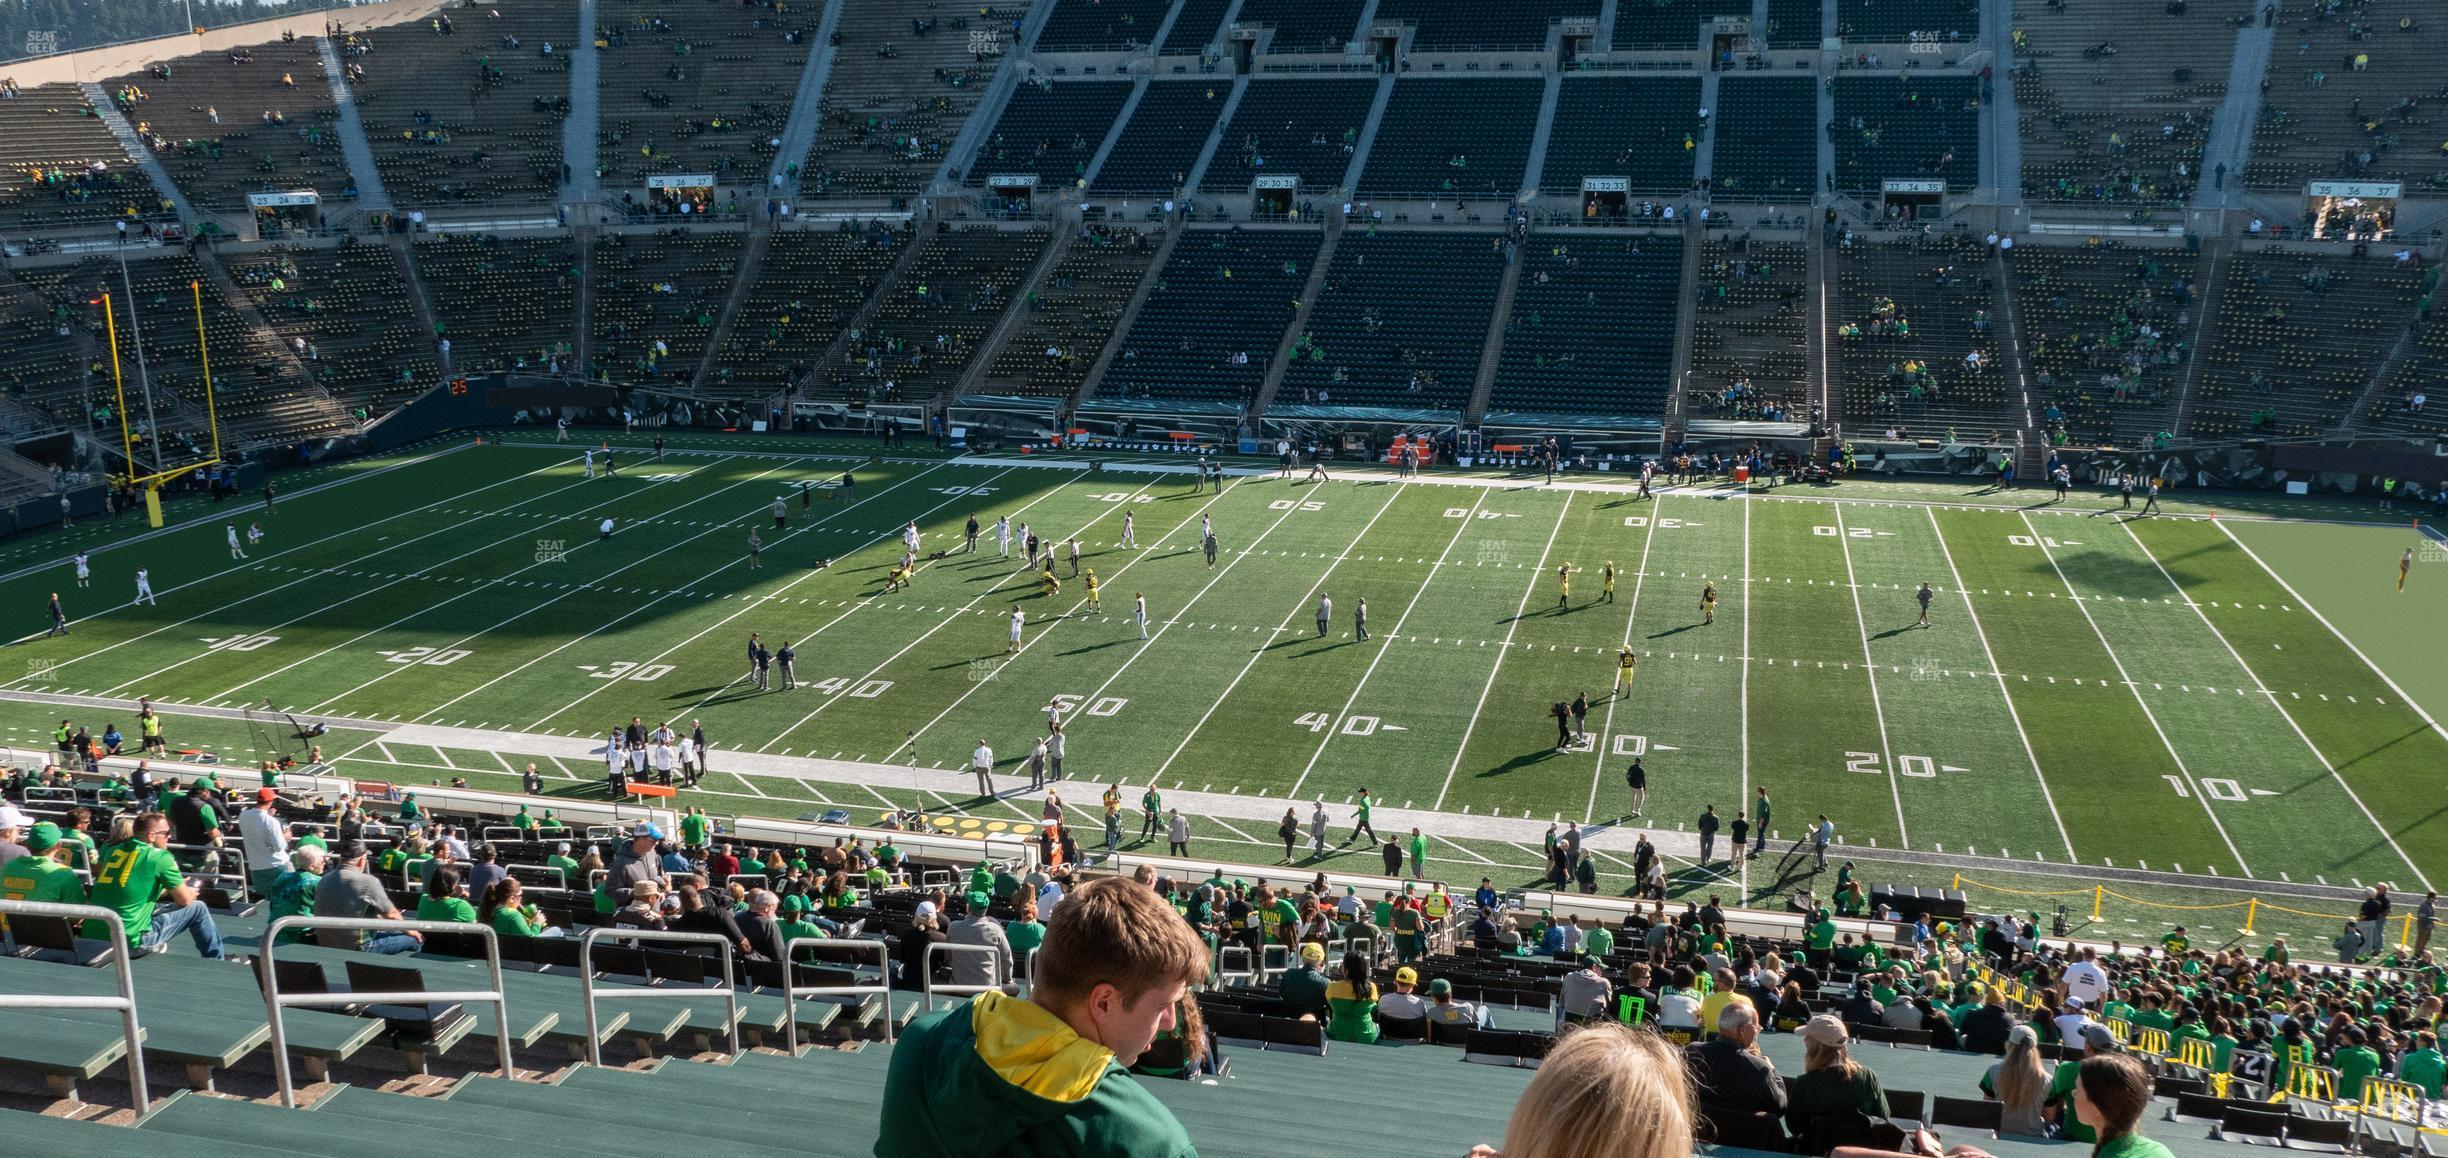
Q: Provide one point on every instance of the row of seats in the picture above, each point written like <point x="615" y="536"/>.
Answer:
<point x="2421" y="373"/>
<point x="1910" y="317"/>
<point x="2353" y="95"/>
<point x="1655" y="24"/>
<point x="809" y="287"/>
<point x="2295" y="340"/>
<point x="1454" y="138"/>
<point x="1305" y="25"/>
<point x="1198" y="25"/>
<point x="1899" y="21"/>
<point x="1068" y="319"/>
<point x="1300" y="128"/>
<point x="2106" y="330"/>
<point x="1767" y="139"/>
<point x="465" y="116"/>
<point x="503" y="302"/>
<point x="1214" y="316"/>
<point x="1467" y="25"/>
<point x="654" y="300"/>
<point x="1645" y="129"/>
<point x="900" y="87"/>
<point x="1750" y="328"/>
<point x="348" y="305"/>
<point x="697" y="88"/>
<point x="46" y="366"/>
<point x="2118" y="109"/>
<point x="1400" y="321"/>
<point x="931" y="322"/>
<point x="1163" y="139"/>
<point x="1891" y="127"/>
<point x="252" y="120"/>
<point x="1050" y="130"/>
<point x="1592" y="328"/>
<point x="64" y="167"/>
<point x="1092" y="25"/>
<point x="1793" y="24"/>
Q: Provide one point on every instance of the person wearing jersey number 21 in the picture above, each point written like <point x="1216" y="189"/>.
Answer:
<point x="155" y="903"/>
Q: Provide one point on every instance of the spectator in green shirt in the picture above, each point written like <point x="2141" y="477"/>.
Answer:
<point x="2424" y="1066"/>
<point x="155" y="903"/>
<point x="2096" y="1043"/>
<point x="2110" y="1093"/>
<point x="42" y="874"/>
<point x="505" y="909"/>
<point x="293" y="891"/>
<point x="1599" y="942"/>
<point x="1822" y="933"/>
<point x="442" y="900"/>
<point x="1352" y="1002"/>
<point x="560" y="859"/>
<point x="2176" y="942"/>
<point x="2355" y="1061"/>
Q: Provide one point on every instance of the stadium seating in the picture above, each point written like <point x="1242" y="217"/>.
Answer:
<point x="46" y="368"/>
<point x="2421" y="371"/>
<point x="697" y="88"/>
<point x="808" y="288"/>
<point x="2350" y="100"/>
<point x="1305" y="25"/>
<point x="1793" y="23"/>
<point x="1051" y="130"/>
<point x="1898" y="21"/>
<point x="1633" y="127"/>
<point x="1162" y="141"/>
<point x="930" y="322"/>
<point x="209" y="120"/>
<point x="1749" y="333"/>
<point x="1592" y="328"/>
<point x="1462" y="25"/>
<point x="1303" y="127"/>
<point x="1466" y="137"/>
<point x="348" y="303"/>
<point x="1212" y="321"/>
<point x="654" y="301"/>
<point x="1401" y="321"/>
<point x="1641" y="24"/>
<point x="2109" y="113"/>
<point x="2295" y="339"/>
<point x="1907" y="316"/>
<point x="465" y="117"/>
<point x="1198" y="25"/>
<point x="897" y="96"/>
<point x="51" y="143"/>
<point x="1071" y="315"/>
<point x="1101" y="25"/>
<point x="1894" y="127"/>
<point x="503" y="302"/>
<point x="1766" y="139"/>
<point x="2107" y="330"/>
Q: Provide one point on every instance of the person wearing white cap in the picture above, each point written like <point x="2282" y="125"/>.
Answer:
<point x="560" y="859"/>
<point x="13" y="826"/>
<point x="925" y="928"/>
<point x="2021" y="1082"/>
<point x="1833" y="1089"/>
<point x="2070" y="1023"/>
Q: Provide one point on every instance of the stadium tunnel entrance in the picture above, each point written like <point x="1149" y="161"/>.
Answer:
<point x="1271" y="196"/>
<point x="1913" y="199"/>
<point x="2354" y="210"/>
<point x="1606" y="198"/>
<point x="278" y="214"/>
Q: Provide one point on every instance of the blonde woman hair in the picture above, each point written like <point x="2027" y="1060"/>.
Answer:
<point x="1605" y="1091"/>
<point x="1821" y="1055"/>
<point x="2022" y="1079"/>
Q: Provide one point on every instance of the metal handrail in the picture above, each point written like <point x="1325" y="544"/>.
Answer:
<point x="125" y="1003"/>
<point x="590" y="994"/>
<point x="276" y="1003"/>
<point x="792" y="993"/>
<point x="1001" y="967"/>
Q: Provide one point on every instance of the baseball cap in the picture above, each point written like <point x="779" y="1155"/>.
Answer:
<point x="1826" y="1029"/>
<point x="645" y="829"/>
<point x="1406" y="976"/>
<point x="1440" y="988"/>
<point x="10" y="817"/>
<point x="2098" y="1037"/>
<point x="562" y="848"/>
<point x="926" y="908"/>
<point x="794" y="903"/>
<point x="42" y="837"/>
<point x="2023" y="1035"/>
<point x="1313" y="952"/>
<point x="2074" y="1003"/>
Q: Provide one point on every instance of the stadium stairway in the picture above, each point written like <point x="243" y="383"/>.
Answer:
<point x="353" y="145"/>
<point x="1491" y="354"/>
<point x="1130" y="313"/>
<point x="1310" y="292"/>
<point x="134" y="146"/>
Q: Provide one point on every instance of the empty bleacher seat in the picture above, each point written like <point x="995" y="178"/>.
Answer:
<point x="902" y="84"/>
<point x="1907" y="127"/>
<point x="1766" y="139"/>
<point x="466" y="117"/>
<point x="1305" y="25"/>
<point x="1649" y="24"/>
<point x="1212" y="321"/>
<point x="1645" y="129"/>
<point x="1461" y="137"/>
<point x="1163" y="137"/>
<point x="1071" y="314"/>
<point x="1305" y="128"/>
<point x="1050" y="130"/>
<point x="1592" y="327"/>
<point x="1469" y="26"/>
<point x="1400" y="322"/>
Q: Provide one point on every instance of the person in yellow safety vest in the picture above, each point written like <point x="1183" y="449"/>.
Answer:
<point x="1437" y="904"/>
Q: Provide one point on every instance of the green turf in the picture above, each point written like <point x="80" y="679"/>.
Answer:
<point x="2092" y="691"/>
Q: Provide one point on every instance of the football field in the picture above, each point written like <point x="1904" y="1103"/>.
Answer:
<point x="2092" y="690"/>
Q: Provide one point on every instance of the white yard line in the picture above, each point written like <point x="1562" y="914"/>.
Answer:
<point x="1537" y="573"/>
<point x="579" y="588"/>
<point x="1334" y="725"/>
<point x="474" y="588"/>
<point x="1259" y="652"/>
<point x="2275" y="702"/>
<point x="317" y="574"/>
<point x="1895" y="786"/>
<point x="1464" y="851"/>
<point x="1990" y="657"/>
<point x="957" y="614"/>
<point x="2289" y="588"/>
<point x="747" y="604"/>
<point x="2084" y="606"/>
<point x="1049" y="626"/>
<point x="1742" y="700"/>
<point x="1606" y="724"/>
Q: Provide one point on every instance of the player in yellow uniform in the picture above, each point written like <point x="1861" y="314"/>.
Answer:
<point x="2405" y="563"/>
<point x="1708" y="602"/>
<point x="1626" y="665"/>
<point x="1608" y="591"/>
<point x="899" y="578"/>
<point x="1564" y="576"/>
<point x="1093" y="604"/>
<point x="1047" y="583"/>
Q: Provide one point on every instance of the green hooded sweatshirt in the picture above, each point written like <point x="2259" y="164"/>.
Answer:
<point x="1003" y="1076"/>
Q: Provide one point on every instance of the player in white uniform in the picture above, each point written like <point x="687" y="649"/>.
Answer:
<point x="1206" y="527"/>
<point x="1130" y="530"/>
<point x="254" y="534"/>
<point x="144" y="587"/>
<point x="1139" y="612"/>
<point x="1003" y="535"/>
<point x="1019" y="620"/>
<point x="590" y="464"/>
<point x="235" y="552"/>
<point x="84" y="572"/>
<point x="909" y="536"/>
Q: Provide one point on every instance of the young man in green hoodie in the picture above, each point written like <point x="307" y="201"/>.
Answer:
<point x="1001" y="1075"/>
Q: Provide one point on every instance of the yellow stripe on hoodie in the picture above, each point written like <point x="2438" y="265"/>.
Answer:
<point x="1035" y="1050"/>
